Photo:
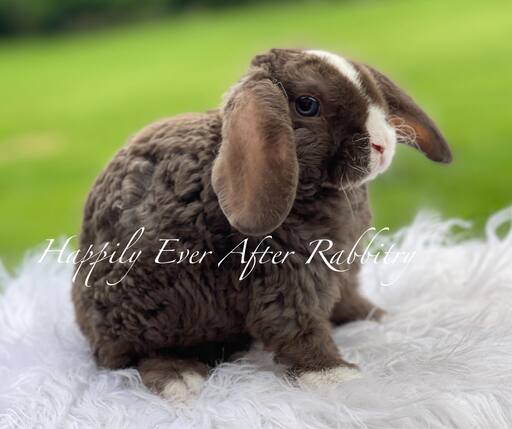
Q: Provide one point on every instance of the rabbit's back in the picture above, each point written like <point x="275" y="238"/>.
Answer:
<point x="158" y="178"/>
<point x="160" y="181"/>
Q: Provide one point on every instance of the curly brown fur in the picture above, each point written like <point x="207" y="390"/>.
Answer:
<point x="299" y="178"/>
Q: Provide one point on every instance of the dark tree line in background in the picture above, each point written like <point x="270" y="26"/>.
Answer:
<point x="48" y="16"/>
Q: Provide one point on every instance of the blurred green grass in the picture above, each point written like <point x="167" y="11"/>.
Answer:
<point x="68" y="103"/>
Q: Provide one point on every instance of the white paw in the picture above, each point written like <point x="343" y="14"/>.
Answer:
<point x="328" y="376"/>
<point x="185" y="388"/>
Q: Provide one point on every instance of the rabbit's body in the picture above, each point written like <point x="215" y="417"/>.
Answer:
<point x="161" y="180"/>
<point x="213" y="180"/>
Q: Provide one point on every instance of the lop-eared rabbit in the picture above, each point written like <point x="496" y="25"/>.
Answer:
<point x="289" y="154"/>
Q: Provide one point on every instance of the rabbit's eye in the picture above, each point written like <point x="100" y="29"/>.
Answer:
<point x="307" y="106"/>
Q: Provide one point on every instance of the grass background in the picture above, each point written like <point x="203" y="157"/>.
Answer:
<point x="69" y="102"/>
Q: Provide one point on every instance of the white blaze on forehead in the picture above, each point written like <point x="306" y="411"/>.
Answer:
<point x="346" y="68"/>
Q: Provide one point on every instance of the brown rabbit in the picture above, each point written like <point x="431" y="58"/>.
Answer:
<point x="289" y="154"/>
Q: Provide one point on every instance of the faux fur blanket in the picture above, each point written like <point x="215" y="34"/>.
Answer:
<point x="441" y="357"/>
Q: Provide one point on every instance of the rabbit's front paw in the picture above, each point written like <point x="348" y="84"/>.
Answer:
<point x="185" y="388"/>
<point x="329" y="376"/>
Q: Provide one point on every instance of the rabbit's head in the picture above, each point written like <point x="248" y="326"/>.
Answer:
<point x="310" y="119"/>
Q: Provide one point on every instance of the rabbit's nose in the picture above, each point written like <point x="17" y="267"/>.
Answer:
<point x="378" y="148"/>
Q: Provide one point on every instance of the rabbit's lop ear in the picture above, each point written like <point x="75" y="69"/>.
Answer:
<point x="256" y="171"/>
<point x="413" y="125"/>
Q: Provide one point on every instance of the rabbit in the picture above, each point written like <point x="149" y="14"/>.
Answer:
<point x="289" y="154"/>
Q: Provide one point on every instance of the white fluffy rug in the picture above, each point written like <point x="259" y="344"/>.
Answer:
<point x="441" y="358"/>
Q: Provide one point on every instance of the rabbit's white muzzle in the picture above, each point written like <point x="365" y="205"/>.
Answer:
<point x="382" y="141"/>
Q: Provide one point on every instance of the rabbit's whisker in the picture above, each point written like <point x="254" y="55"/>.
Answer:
<point x="358" y="169"/>
<point x="405" y="133"/>
<point x="362" y="138"/>
<point x="346" y="196"/>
